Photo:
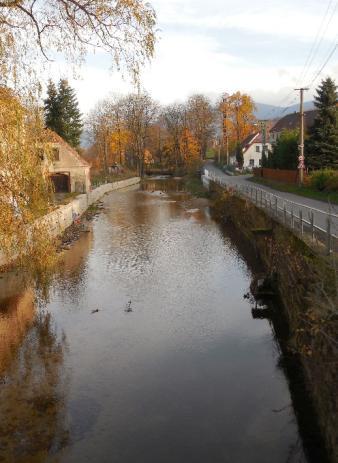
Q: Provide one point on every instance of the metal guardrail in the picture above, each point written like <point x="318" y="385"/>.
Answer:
<point x="317" y="225"/>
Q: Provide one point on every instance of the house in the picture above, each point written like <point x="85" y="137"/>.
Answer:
<point x="68" y="171"/>
<point x="292" y="122"/>
<point x="252" y="148"/>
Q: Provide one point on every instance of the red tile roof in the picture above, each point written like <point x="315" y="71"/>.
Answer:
<point x="291" y="121"/>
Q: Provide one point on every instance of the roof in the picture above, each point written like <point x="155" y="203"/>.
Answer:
<point x="291" y="121"/>
<point x="53" y="137"/>
<point x="250" y="139"/>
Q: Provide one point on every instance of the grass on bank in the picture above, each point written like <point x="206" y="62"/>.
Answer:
<point x="305" y="191"/>
<point x="194" y="185"/>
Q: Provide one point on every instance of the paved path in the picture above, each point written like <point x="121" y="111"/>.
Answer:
<point x="320" y="208"/>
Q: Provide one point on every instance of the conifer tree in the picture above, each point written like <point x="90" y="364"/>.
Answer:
<point x="322" y="145"/>
<point x="62" y="112"/>
<point x="52" y="116"/>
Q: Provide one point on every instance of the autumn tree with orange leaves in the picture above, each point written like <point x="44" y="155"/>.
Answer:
<point x="190" y="150"/>
<point x="240" y="120"/>
<point x="200" y="118"/>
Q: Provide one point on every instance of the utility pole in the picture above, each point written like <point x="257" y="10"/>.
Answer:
<point x="225" y="125"/>
<point x="301" y="165"/>
<point x="262" y="124"/>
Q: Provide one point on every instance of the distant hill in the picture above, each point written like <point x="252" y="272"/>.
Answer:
<point x="266" y="111"/>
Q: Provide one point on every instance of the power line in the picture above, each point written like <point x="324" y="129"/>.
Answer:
<point x="320" y="36"/>
<point x="317" y="74"/>
<point x="315" y="41"/>
<point x="312" y="55"/>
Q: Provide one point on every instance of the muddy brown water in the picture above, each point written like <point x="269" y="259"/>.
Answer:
<point x="185" y="375"/>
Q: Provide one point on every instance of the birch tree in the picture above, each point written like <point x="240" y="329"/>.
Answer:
<point x="31" y="29"/>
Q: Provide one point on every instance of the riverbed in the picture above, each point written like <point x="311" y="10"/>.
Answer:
<point x="145" y="348"/>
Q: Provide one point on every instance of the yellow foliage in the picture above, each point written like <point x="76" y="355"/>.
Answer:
<point x="119" y="140"/>
<point x="148" y="158"/>
<point x="190" y="149"/>
<point x="25" y="189"/>
<point x="239" y="121"/>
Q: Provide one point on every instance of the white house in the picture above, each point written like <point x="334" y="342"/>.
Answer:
<point x="252" y="148"/>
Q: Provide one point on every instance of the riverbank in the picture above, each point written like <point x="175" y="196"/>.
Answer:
<point x="307" y="288"/>
<point x="63" y="216"/>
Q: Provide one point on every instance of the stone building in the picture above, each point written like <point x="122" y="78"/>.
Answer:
<point x="69" y="172"/>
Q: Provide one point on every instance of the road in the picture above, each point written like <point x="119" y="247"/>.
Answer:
<point x="320" y="208"/>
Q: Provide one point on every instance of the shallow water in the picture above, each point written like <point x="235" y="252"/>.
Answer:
<point x="187" y="375"/>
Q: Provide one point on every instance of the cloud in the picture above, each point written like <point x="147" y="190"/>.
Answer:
<point x="220" y="45"/>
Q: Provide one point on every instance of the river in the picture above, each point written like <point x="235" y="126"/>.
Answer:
<point x="146" y="349"/>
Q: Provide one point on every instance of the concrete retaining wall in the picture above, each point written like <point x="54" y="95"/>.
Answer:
<point x="63" y="216"/>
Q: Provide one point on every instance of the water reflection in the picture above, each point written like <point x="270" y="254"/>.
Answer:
<point x="187" y="376"/>
<point x="33" y="383"/>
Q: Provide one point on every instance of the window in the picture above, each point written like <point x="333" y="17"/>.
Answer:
<point x="258" y="148"/>
<point x="260" y="162"/>
<point x="251" y="162"/>
<point x="55" y="154"/>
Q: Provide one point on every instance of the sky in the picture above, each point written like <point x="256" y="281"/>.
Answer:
<point x="214" y="46"/>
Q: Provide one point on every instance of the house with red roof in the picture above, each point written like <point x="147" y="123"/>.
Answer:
<point x="292" y="122"/>
<point x="252" y="148"/>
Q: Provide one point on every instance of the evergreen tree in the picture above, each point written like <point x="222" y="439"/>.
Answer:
<point x="239" y="155"/>
<point x="62" y="112"/>
<point x="322" y="145"/>
<point x="284" y="154"/>
<point x="52" y="113"/>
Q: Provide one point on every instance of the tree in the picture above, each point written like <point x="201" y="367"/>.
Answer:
<point x="322" y="145"/>
<point x="99" y="125"/>
<point x="120" y="139"/>
<point x="25" y="190"/>
<point x="62" y="112"/>
<point x="190" y="150"/>
<point x="51" y="104"/>
<point x="68" y="123"/>
<point x="240" y="114"/>
<point x="284" y="153"/>
<point x="173" y="117"/>
<point x="140" y="112"/>
<point x="30" y="29"/>
<point x="200" y="120"/>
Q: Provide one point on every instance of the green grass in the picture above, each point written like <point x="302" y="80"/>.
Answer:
<point x="211" y="153"/>
<point x="195" y="186"/>
<point x="298" y="190"/>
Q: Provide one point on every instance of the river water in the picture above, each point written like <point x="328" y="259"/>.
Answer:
<point x="185" y="375"/>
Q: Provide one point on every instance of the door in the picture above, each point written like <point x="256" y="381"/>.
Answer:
<point x="61" y="183"/>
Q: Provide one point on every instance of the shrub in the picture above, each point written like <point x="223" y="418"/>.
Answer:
<point x="324" y="180"/>
<point x="332" y="182"/>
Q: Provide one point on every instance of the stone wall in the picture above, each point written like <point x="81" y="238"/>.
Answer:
<point x="62" y="217"/>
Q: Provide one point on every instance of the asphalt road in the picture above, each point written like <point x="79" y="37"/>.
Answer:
<point x="320" y="208"/>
